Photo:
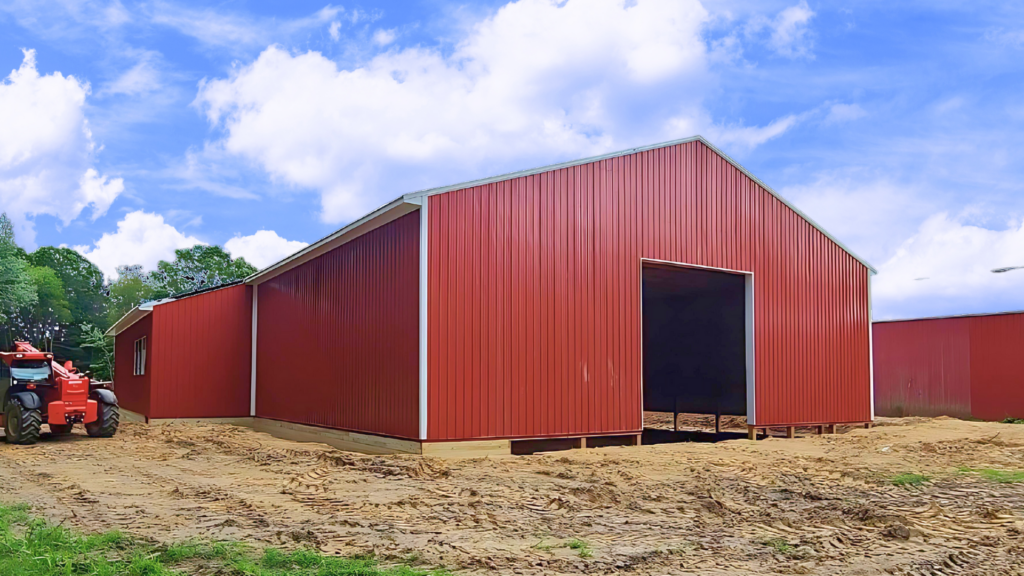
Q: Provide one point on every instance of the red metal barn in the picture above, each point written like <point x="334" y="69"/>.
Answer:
<point x="562" y="302"/>
<point x="186" y="357"/>
<point x="963" y="366"/>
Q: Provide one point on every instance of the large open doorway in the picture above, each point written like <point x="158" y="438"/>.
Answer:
<point x="697" y="347"/>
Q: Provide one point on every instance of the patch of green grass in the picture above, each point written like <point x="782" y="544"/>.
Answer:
<point x="999" y="476"/>
<point x="581" y="547"/>
<point x="909" y="479"/>
<point x="1012" y="420"/>
<point x="779" y="545"/>
<point x="32" y="547"/>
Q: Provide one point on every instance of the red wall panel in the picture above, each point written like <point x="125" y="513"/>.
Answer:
<point x="923" y="368"/>
<point x="133" y="392"/>
<point x="201" y="348"/>
<point x="338" y="336"/>
<point x="997" y="380"/>
<point x="534" y="290"/>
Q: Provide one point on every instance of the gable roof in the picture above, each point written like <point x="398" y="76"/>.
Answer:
<point x="411" y="201"/>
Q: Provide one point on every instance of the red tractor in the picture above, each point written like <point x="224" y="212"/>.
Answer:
<point x="37" y="390"/>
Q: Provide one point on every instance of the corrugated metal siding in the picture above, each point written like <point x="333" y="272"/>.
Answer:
<point x="923" y="368"/>
<point x="338" y="336"/>
<point x="997" y="378"/>
<point x="201" y="350"/>
<point x="534" y="286"/>
<point x="133" y="392"/>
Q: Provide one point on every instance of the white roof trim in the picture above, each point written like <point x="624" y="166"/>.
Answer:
<point x="949" y="317"/>
<point x="416" y="198"/>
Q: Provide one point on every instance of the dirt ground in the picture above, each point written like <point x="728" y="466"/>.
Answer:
<point x="810" y="505"/>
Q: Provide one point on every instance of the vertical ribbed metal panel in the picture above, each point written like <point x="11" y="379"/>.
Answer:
<point x="534" y="320"/>
<point x="133" y="392"/>
<point x="997" y="380"/>
<point x="338" y="341"/>
<point x="923" y="368"/>
<point x="200" y="355"/>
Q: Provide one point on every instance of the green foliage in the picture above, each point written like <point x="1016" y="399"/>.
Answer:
<point x="102" y="366"/>
<point x="83" y="281"/>
<point x="198" y="267"/>
<point x="31" y="547"/>
<point x="1012" y="420"/>
<point x="131" y="288"/>
<point x="908" y="479"/>
<point x="17" y="291"/>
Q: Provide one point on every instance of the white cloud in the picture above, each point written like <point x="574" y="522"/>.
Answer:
<point x="335" y="30"/>
<point x="142" y="238"/>
<point x="839" y="113"/>
<point x="262" y="248"/>
<point x="235" y="31"/>
<point x="949" y="263"/>
<point x="383" y="37"/>
<point x="142" y="78"/>
<point x="788" y="33"/>
<point x="46" y="150"/>
<point x="539" y="80"/>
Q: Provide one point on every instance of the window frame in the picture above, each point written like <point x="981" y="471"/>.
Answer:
<point x="139" y="366"/>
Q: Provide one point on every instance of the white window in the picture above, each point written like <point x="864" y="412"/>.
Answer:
<point x="140" y="356"/>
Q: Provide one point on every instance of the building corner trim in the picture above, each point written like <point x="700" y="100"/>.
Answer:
<point x="252" y="367"/>
<point x="424" y="313"/>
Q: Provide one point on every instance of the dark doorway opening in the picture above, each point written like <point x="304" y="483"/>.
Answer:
<point x="694" y="351"/>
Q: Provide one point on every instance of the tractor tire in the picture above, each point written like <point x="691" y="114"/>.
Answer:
<point x="21" y="426"/>
<point x="57" y="429"/>
<point x="107" y="419"/>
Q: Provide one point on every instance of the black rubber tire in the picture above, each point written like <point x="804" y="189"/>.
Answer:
<point x="21" y="426"/>
<point x="107" y="419"/>
<point x="60" y="428"/>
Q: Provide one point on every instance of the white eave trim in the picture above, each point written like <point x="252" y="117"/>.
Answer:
<point x="379" y="217"/>
<point x="411" y="201"/>
<point x="133" y="316"/>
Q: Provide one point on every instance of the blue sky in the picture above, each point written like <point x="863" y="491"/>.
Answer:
<point x="131" y="129"/>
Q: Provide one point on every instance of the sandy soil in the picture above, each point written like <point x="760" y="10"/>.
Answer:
<point x="682" y="508"/>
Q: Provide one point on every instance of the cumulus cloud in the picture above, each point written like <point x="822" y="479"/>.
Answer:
<point x="383" y="37"/>
<point x="951" y="260"/>
<point x="142" y="238"/>
<point x="46" y="150"/>
<point x="788" y="34"/>
<point x="537" y="81"/>
<point x="262" y="248"/>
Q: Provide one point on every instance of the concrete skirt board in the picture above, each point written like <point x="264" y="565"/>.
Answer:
<point x="340" y="439"/>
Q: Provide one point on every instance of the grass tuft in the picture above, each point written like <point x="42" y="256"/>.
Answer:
<point x="581" y="547"/>
<point x="779" y="545"/>
<point x="998" y="476"/>
<point x="908" y="479"/>
<point x="32" y="547"/>
<point x="1012" y="420"/>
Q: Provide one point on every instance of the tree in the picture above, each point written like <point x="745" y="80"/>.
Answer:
<point x="17" y="290"/>
<point x="48" y="316"/>
<point x="102" y="366"/>
<point x="132" y="287"/>
<point x="198" y="267"/>
<point x="83" y="282"/>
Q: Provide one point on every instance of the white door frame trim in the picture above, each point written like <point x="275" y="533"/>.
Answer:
<point x="748" y="313"/>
